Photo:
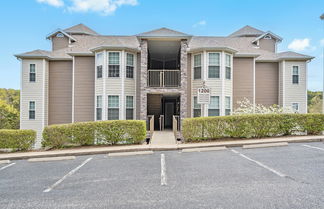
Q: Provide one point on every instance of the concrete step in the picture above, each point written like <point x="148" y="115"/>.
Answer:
<point x="163" y="137"/>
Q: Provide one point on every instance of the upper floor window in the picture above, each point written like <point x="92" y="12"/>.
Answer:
<point x="113" y="64"/>
<point x="99" y="61"/>
<point x="129" y="107"/>
<point x="213" y="107"/>
<point x="228" y="66"/>
<point x="129" y="65"/>
<point x="295" y="107"/>
<point x="197" y="108"/>
<point x="267" y="37"/>
<point x="60" y="35"/>
<point x="197" y="66"/>
<point x="295" y="75"/>
<point x="99" y="108"/>
<point x="213" y="65"/>
<point x="32" y="109"/>
<point x="99" y="71"/>
<point x="113" y="107"/>
<point x="227" y="105"/>
<point x="32" y="73"/>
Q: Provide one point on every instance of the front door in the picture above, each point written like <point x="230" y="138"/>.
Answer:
<point x="169" y="112"/>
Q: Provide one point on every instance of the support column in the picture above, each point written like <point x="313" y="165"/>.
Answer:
<point x="143" y="99"/>
<point x="184" y="81"/>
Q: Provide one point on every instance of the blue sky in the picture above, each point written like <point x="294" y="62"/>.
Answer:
<point x="25" y="24"/>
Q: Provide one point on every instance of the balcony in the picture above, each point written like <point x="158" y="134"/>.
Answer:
<point x="163" y="78"/>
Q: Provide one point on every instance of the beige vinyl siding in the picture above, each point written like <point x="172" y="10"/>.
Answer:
<point x="280" y="97"/>
<point x="243" y="79"/>
<point x="296" y="93"/>
<point x="84" y="88"/>
<point x="267" y="44"/>
<point x="60" y="92"/>
<point x="59" y="42"/>
<point x="34" y="91"/>
<point x="267" y="83"/>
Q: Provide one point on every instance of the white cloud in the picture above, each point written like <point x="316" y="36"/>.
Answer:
<point x="322" y="42"/>
<point x="55" y="3"/>
<point x="200" y="23"/>
<point x="300" y="44"/>
<point x="104" y="7"/>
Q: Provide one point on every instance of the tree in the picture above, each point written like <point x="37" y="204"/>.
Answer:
<point x="9" y="116"/>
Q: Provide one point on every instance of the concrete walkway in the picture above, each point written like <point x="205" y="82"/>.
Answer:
<point x="154" y="147"/>
<point x="163" y="138"/>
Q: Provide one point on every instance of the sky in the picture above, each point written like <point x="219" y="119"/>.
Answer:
<point x="26" y="23"/>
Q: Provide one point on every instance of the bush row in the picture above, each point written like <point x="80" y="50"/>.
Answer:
<point x="17" y="139"/>
<point x="251" y="126"/>
<point x="98" y="132"/>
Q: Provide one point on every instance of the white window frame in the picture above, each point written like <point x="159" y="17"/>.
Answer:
<point x="126" y="108"/>
<point x="120" y="62"/>
<point x="126" y="65"/>
<point x="292" y="74"/>
<point x="99" y="64"/>
<point x="119" y="106"/>
<point x="60" y="35"/>
<point x="201" y="66"/>
<point x="219" y="104"/>
<point x="230" y="66"/>
<point x="193" y="107"/>
<point x="219" y="61"/>
<point x="292" y="106"/>
<point x="32" y="110"/>
<point x="267" y="37"/>
<point x="97" y="107"/>
<point x="230" y="105"/>
<point x="31" y="73"/>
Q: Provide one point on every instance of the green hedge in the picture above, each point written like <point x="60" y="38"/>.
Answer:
<point x="17" y="139"/>
<point x="98" y="132"/>
<point x="251" y="126"/>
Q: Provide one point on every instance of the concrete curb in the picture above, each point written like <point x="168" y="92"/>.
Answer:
<point x="140" y="148"/>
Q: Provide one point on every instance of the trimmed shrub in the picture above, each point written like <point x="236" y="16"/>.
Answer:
<point x="251" y="126"/>
<point x="91" y="133"/>
<point x="17" y="139"/>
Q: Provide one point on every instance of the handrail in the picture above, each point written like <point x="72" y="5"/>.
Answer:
<point x="152" y="126"/>
<point x="161" y="121"/>
<point x="175" y="125"/>
<point x="163" y="78"/>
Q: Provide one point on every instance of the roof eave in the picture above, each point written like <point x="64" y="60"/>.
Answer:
<point x="100" y="48"/>
<point x="228" y="49"/>
<point x="31" y="56"/>
<point x="296" y="58"/>
<point x="246" y="55"/>
<point x="81" y="54"/>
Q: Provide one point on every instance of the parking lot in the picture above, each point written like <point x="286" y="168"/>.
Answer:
<point x="276" y="177"/>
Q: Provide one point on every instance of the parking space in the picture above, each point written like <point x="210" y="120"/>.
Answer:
<point x="230" y="178"/>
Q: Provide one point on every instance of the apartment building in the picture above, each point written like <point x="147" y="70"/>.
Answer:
<point x="88" y="77"/>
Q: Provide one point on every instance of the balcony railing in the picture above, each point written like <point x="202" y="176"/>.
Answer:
<point x="163" y="78"/>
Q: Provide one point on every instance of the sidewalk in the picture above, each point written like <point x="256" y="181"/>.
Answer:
<point x="163" y="147"/>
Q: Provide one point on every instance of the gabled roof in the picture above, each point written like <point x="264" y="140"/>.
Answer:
<point x="247" y="31"/>
<point x="293" y="55"/>
<point x="59" y="31"/>
<point x="80" y="29"/>
<point x="35" y="53"/>
<point x="163" y="32"/>
<point x="278" y="38"/>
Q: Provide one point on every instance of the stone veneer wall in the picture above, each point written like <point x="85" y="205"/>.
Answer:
<point x="143" y="93"/>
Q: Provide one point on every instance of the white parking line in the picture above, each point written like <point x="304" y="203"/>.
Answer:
<point x="260" y="164"/>
<point x="318" y="148"/>
<point x="163" y="171"/>
<point x="7" y="166"/>
<point x="67" y="175"/>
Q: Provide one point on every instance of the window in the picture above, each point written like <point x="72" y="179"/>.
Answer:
<point x="197" y="108"/>
<point x="295" y="107"/>
<point x="213" y="107"/>
<point x="99" y="108"/>
<point x="227" y="105"/>
<point x="60" y="35"/>
<point x="32" y="115"/>
<point x="295" y="75"/>
<point x="130" y="66"/>
<point x="99" y="62"/>
<point x="129" y="107"/>
<point x="113" y="64"/>
<point x="32" y="73"/>
<point x="197" y="66"/>
<point x="213" y="65"/>
<point x="267" y="37"/>
<point x="113" y="107"/>
<point x="228" y="66"/>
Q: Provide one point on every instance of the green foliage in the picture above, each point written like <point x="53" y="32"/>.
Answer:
<point x="251" y="126"/>
<point x="315" y="101"/>
<point x="9" y="116"/>
<point x="91" y="133"/>
<point x="17" y="139"/>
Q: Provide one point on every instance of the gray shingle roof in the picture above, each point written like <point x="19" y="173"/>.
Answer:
<point x="163" y="32"/>
<point x="80" y="29"/>
<point x="247" y="31"/>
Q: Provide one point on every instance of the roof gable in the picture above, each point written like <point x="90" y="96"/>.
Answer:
<point x="247" y="31"/>
<point x="278" y="38"/>
<point x="80" y="29"/>
<point x="163" y="32"/>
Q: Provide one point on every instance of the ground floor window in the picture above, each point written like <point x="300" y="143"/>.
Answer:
<point x="197" y="108"/>
<point x="32" y="114"/>
<point x="295" y="107"/>
<point x="113" y="107"/>
<point x="129" y="107"/>
<point x="227" y="105"/>
<point x="213" y="108"/>
<point x="99" y="108"/>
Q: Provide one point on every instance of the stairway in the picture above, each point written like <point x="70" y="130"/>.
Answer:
<point x="163" y="137"/>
